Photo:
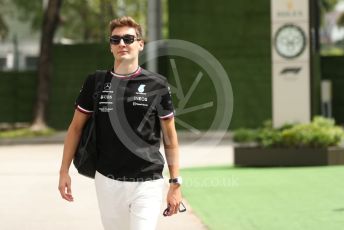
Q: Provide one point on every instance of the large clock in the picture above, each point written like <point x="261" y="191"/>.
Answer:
<point x="290" y="41"/>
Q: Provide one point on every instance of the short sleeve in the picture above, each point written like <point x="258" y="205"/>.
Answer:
<point x="84" y="101"/>
<point x="165" y="106"/>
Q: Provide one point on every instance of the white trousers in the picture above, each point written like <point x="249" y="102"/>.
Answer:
<point x="128" y="205"/>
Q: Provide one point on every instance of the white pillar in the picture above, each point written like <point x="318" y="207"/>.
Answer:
<point x="291" y="42"/>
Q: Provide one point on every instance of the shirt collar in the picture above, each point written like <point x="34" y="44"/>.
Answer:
<point x="129" y="75"/>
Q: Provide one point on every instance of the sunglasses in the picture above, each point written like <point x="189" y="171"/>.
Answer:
<point x="127" y="39"/>
<point x="181" y="208"/>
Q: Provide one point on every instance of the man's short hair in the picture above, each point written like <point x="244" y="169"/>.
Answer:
<point x="126" y="21"/>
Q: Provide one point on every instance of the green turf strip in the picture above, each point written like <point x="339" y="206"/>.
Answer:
<point x="267" y="198"/>
<point x="26" y="132"/>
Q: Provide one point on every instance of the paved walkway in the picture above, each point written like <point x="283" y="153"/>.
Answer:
<point x="29" y="198"/>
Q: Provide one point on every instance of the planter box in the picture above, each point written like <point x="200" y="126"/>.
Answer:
<point x="257" y="156"/>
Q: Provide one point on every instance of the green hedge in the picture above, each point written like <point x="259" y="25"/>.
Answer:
<point x="332" y="68"/>
<point x="17" y="95"/>
<point x="237" y="33"/>
<point x="71" y="65"/>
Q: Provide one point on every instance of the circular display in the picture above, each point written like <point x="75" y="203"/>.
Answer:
<point x="290" y="41"/>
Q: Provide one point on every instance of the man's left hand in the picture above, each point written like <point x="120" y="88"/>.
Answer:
<point x="174" y="197"/>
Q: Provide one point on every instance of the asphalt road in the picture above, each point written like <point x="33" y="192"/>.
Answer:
<point x="29" y="198"/>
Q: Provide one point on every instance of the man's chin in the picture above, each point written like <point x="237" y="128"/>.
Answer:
<point x="124" y="58"/>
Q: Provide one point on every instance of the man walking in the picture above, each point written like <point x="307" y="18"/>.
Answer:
<point x="135" y="105"/>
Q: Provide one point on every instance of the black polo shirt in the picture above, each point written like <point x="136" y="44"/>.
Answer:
<point x="128" y="123"/>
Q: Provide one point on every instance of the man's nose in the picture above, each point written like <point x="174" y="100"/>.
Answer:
<point x="121" y="42"/>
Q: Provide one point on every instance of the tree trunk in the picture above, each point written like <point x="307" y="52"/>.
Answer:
<point x="50" y="23"/>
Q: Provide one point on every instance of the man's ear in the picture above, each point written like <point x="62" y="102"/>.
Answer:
<point x="142" y="44"/>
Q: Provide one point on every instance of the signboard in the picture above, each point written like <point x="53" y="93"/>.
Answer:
<point x="291" y="96"/>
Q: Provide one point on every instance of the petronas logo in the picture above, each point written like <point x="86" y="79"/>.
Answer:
<point x="141" y="88"/>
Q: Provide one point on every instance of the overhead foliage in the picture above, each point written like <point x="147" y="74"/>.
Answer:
<point x="82" y="20"/>
<point x="328" y="5"/>
<point x="3" y="25"/>
<point x="87" y="21"/>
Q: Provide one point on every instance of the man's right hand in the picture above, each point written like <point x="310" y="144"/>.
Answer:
<point x="71" y="142"/>
<point x="65" y="187"/>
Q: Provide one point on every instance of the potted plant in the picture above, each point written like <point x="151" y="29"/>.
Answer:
<point x="313" y="144"/>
